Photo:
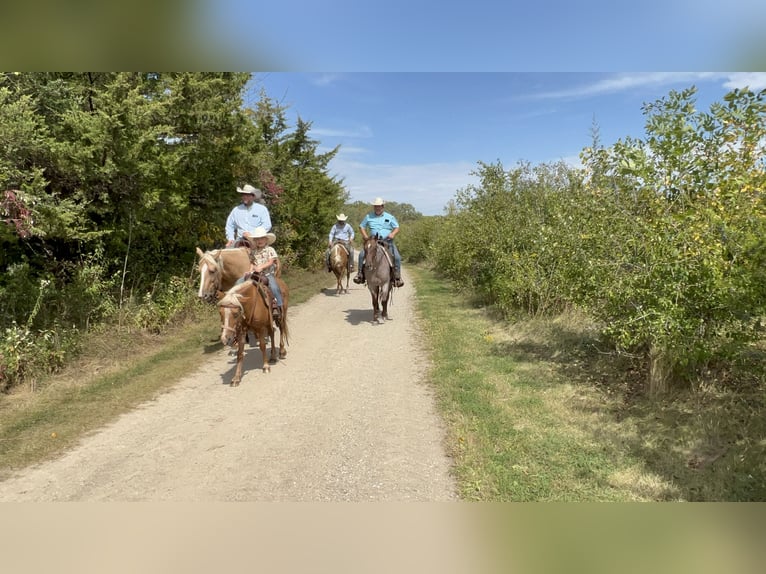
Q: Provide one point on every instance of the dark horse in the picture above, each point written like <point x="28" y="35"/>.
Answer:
<point x="246" y="307"/>
<point x="378" y="270"/>
<point x="339" y="264"/>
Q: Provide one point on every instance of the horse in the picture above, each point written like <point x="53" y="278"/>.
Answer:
<point x="339" y="264"/>
<point x="221" y="268"/>
<point x="246" y="307"/>
<point x="378" y="275"/>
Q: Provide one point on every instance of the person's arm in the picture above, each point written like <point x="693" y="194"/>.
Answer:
<point x="332" y="234"/>
<point x="266" y="218"/>
<point x="351" y="233"/>
<point x="230" y="228"/>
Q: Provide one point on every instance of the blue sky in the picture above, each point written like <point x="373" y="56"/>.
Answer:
<point x="416" y="137"/>
<point x="487" y="35"/>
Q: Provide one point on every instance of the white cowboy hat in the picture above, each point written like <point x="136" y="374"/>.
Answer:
<point x="261" y="232"/>
<point x="378" y="201"/>
<point x="250" y="189"/>
<point x="341" y="217"/>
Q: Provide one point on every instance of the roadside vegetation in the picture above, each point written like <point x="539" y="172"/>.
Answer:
<point x="597" y="333"/>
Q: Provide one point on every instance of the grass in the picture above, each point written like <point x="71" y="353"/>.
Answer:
<point x="535" y="411"/>
<point x="118" y="371"/>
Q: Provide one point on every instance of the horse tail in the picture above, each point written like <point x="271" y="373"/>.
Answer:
<point x="283" y="326"/>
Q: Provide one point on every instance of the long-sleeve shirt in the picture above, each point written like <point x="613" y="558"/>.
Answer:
<point x="243" y="218"/>
<point x="343" y="233"/>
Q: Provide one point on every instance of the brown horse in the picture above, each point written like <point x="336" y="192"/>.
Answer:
<point x="339" y="264"/>
<point x="378" y="273"/>
<point x="219" y="270"/>
<point x="246" y="307"/>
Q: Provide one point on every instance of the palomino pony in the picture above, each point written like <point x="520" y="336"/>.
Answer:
<point x="246" y="307"/>
<point x="339" y="264"/>
<point x="377" y="273"/>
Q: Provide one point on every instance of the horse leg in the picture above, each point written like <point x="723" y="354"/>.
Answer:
<point x="375" y="307"/>
<point x="240" y="358"/>
<point x="273" y="355"/>
<point x="262" y="346"/>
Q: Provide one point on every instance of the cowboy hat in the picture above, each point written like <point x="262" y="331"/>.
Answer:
<point x="341" y="217"/>
<point x="250" y="189"/>
<point x="261" y="232"/>
<point x="378" y="201"/>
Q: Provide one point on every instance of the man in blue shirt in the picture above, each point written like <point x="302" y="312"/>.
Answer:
<point x="247" y="216"/>
<point x="343" y="233"/>
<point x="385" y="225"/>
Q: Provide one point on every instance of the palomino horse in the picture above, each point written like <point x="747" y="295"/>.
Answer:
<point x="246" y="307"/>
<point x="377" y="274"/>
<point x="339" y="264"/>
<point x="220" y="269"/>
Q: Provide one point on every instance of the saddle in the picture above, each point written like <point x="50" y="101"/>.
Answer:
<point x="262" y="283"/>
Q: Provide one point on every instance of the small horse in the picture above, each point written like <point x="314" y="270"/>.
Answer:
<point x="219" y="270"/>
<point x="378" y="269"/>
<point x="246" y="307"/>
<point x="339" y="264"/>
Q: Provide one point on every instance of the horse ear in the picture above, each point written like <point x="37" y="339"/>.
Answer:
<point x="199" y="252"/>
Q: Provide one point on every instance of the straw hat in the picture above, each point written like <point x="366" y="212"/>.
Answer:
<point x="378" y="201"/>
<point x="341" y="217"/>
<point x="261" y="232"/>
<point x="250" y="189"/>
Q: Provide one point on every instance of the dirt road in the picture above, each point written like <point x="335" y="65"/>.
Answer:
<point x="345" y="417"/>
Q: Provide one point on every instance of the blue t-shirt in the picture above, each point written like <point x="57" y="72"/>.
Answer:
<point x="382" y="224"/>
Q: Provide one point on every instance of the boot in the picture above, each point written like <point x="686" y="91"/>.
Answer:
<point x="398" y="279"/>
<point x="359" y="279"/>
<point x="276" y="310"/>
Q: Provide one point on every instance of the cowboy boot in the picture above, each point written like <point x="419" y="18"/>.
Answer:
<point x="398" y="278"/>
<point x="359" y="279"/>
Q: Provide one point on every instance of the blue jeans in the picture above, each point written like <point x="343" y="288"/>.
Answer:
<point x="397" y="257"/>
<point x="273" y="285"/>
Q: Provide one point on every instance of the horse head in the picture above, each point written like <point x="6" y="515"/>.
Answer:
<point x="231" y="310"/>
<point x="210" y="275"/>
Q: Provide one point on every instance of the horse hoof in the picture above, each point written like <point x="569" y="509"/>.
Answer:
<point x="234" y="383"/>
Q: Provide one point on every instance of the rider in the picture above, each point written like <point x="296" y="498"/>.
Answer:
<point x="385" y="226"/>
<point x="342" y="233"/>
<point x="263" y="260"/>
<point x="248" y="215"/>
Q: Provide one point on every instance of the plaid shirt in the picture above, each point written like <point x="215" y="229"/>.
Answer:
<point x="261" y="256"/>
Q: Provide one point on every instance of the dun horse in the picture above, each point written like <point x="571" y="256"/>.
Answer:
<point x="246" y="307"/>
<point x="377" y="273"/>
<point x="339" y="264"/>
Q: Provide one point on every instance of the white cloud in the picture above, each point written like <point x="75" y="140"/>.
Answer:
<point x="427" y="187"/>
<point x="622" y="82"/>
<point x="754" y="80"/>
<point x="356" y="132"/>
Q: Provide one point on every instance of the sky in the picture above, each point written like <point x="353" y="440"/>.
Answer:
<point x="417" y="137"/>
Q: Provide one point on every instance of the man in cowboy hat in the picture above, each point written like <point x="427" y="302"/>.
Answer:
<point x="341" y="232"/>
<point x="385" y="226"/>
<point x="246" y="216"/>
